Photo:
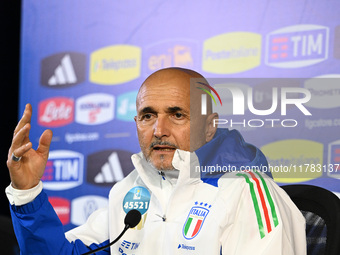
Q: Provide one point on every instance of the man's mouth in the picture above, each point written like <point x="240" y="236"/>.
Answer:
<point x="163" y="148"/>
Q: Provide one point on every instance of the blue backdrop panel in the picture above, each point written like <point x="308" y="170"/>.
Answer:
<point x="83" y="62"/>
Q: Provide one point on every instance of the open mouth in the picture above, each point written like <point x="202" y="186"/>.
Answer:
<point x="163" y="148"/>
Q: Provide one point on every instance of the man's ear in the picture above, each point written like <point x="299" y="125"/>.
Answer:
<point x="210" y="127"/>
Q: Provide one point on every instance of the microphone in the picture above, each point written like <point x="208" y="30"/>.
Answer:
<point x="131" y="220"/>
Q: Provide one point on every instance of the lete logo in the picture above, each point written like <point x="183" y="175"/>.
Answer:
<point x="56" y="112"/>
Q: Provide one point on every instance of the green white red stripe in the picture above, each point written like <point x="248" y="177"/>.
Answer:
<point x="194" y="221"/>
<point x="262" y="201"/>
<point x="194" y="225"/>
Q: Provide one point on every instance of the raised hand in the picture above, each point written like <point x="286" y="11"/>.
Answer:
<point x="26" y="165"/>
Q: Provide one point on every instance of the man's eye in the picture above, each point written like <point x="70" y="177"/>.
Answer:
<point x="147" y="116"/>
<point x="178" y="115"/>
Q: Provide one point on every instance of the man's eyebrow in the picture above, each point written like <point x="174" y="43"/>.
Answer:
<point x="174" y="109"/>
<point x="170" y="110"/>
<point x="147" y="109"/>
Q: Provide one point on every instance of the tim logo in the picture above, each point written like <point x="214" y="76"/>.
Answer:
<point x="105" y="168"/>
<point x="83" y="207"/>
<point x="94" y="109"/>
<point x="62" y="208"/>
<point x="56" y="112"/>
<point x="63" y="69"/>
<point x="195" y="220"/>
<point x="334" y="159"/>
<point x="167" y="54"/>
<point x="297" y="46"/>
<point x="64" y="170"/>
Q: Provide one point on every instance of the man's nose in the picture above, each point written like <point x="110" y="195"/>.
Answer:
<point x="162" y="127"/>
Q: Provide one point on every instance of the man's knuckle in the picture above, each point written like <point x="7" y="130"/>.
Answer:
<point x="9" y="163"/>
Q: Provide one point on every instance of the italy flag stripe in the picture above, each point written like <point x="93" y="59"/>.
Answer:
<point x="270" y="200"/>
<point x="263" y="202"/>
<point x="187" y="226"/>
<point x="197" y="227"/>
<point x="255" y="203"/>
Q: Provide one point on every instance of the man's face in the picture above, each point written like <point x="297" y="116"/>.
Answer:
<point x="163" y="119"/>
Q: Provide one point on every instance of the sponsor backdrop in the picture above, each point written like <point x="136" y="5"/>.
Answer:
<point x="83" y="62"/>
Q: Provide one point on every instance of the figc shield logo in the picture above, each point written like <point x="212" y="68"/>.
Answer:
<point x="195" y="220"/>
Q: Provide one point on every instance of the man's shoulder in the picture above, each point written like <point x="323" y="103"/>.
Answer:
<point x="254" y="189"/>
<point x="249" y="183"/>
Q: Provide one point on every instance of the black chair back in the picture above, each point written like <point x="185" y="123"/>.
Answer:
<point x="321" y="209"/>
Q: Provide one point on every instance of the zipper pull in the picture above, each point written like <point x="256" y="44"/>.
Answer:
<point x="162" y="174"/>
<point x="163" y="217"/>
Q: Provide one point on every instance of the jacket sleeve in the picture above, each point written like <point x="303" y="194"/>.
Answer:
<point x="39" y="230"/>
<point x="264" y="220"/>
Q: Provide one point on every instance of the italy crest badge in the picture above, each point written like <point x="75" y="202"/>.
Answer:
<point x="195" y="220"/>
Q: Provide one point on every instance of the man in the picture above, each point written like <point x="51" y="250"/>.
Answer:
<point x="241" y="213"/>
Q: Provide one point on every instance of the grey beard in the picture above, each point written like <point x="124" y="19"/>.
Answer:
<point x="161" y="168"/>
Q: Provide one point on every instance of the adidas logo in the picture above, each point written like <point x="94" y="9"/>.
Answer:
<point x="64" y="73"/>
<point x="63" y="69"/>
<point x="111" y="171"/>
<point x="105" y="168"/>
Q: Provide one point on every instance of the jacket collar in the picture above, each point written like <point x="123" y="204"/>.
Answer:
<point x="184" y="163"/>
